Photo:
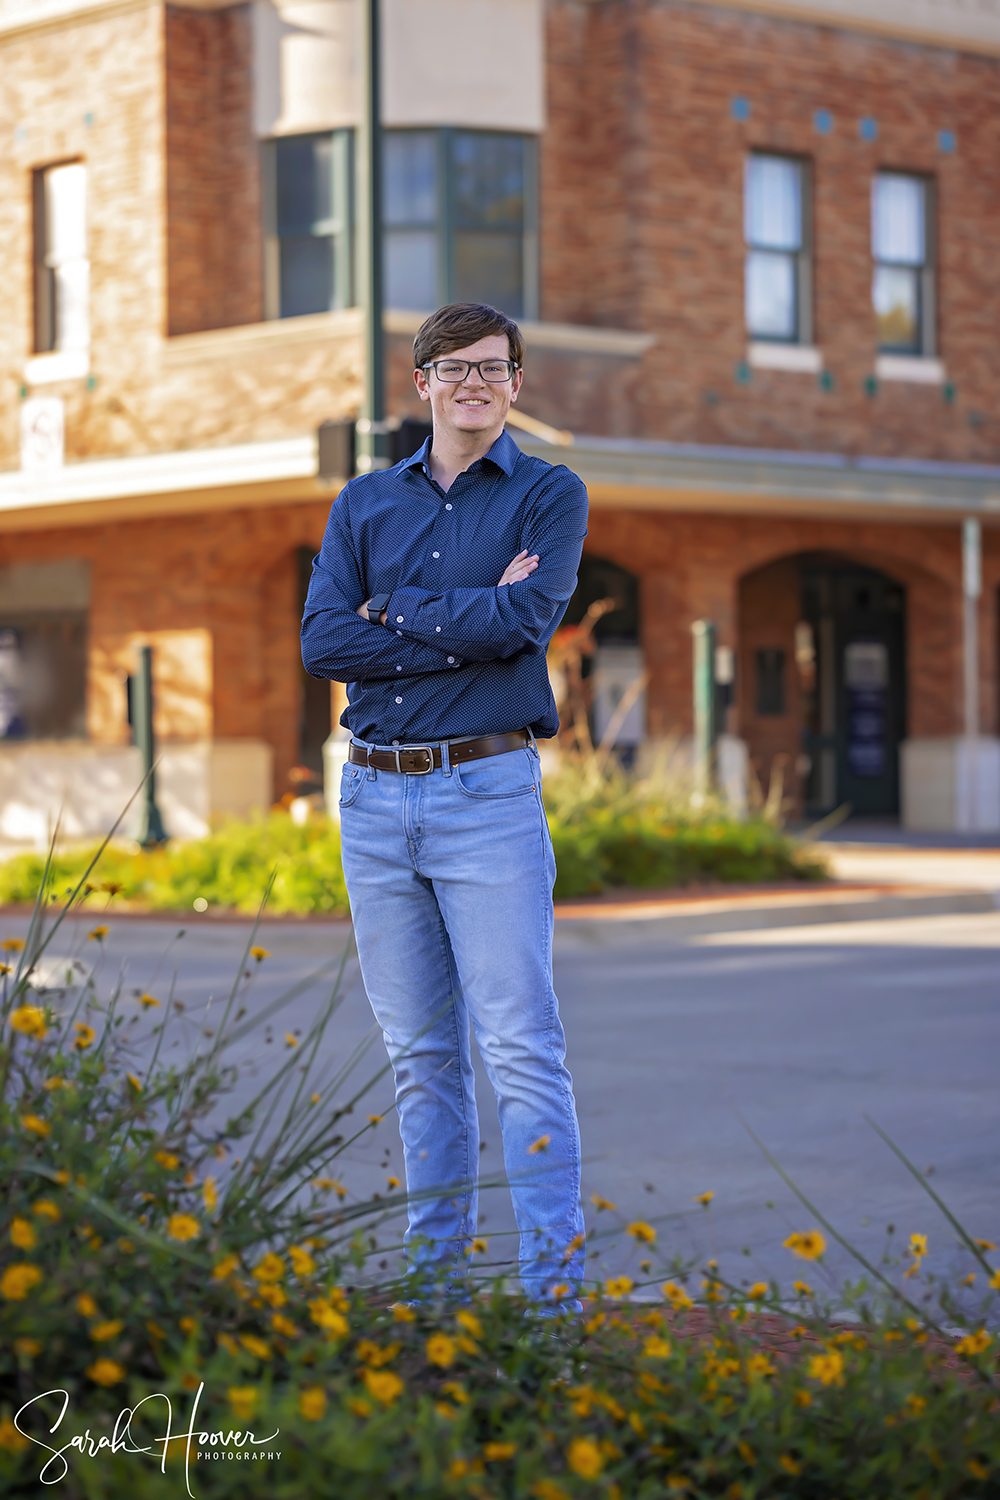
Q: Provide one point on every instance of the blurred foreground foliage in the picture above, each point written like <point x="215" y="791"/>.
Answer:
<point x="158" y="1241"/>
<point x="609" y="830"/>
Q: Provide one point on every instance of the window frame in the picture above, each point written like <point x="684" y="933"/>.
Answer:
<point x="927" y="342"/>
<point x="45" y="321"/>
<point x="446" y="222"/>
<point x="802" y="259"/>
<point x="343" y="234"/>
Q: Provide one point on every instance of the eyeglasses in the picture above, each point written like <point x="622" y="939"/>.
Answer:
<point x="454" y="371"/>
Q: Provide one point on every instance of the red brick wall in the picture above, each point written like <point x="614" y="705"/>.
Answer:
<point x="642" y="209"/>
<point x="214" y="247"/>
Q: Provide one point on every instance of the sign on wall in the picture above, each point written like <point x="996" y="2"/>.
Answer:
<point x="42" y="434"/>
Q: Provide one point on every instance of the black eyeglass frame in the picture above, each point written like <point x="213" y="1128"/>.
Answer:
<point x="470" y="365"/>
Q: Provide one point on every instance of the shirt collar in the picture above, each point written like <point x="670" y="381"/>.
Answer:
<point x="504" y="453"/>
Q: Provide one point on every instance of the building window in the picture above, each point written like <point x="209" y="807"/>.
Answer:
<point x="460" y="219"/>
<point x="62" y="270"/>
<point x="777" y="292"/>
<point x="902" y="286"/>
<point x="307" y="206"/>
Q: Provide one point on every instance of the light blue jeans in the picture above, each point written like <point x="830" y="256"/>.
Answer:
<point x="450" y="879"/>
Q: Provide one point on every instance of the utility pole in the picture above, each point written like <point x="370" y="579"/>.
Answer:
<point x="972" y="588"/>
<point x="373" y="435"/>
<point x="153" y="831"/>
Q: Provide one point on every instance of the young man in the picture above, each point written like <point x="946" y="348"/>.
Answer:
<point x="437" y="590"/>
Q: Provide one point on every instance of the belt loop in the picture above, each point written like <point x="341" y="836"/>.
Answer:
<point x="445" y="758"/>
<point x="531" y="740"/>
<point x="372" y="773"/>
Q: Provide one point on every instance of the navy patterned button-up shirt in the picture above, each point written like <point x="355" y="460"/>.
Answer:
<point x="458" y="655"/>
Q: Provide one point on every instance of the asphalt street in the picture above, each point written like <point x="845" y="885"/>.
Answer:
<point x="677" y="1047"/>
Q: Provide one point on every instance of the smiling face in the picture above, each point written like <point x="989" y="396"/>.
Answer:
<point x="473" y="406"/>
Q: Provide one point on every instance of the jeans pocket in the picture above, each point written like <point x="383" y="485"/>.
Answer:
<point x="352" y="779"/>
<point x="513" y="774"/>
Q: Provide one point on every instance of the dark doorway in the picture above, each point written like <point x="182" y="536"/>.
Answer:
<point x="599" y="579"/>
<point x="850" y="653"/>
<point x="314" y="715"/>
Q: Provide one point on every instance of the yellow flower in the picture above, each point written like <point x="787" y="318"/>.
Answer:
<point x="601" y="1203"/>
<point x="968" y="1280"/>
<point x="655" y="1347"/>
<point x="584" y="1458"/>
<point x="541" y="1144"/>
<point x="183" y="1227"/>
<point x="36" y="1125"/>
<point x="746" y="1453"/>
<point x="84" y="1036"/>
<point x="384" y="1385"/>
<point x="302" y="1262"/>
<point x="789" y="1464"/>
<point x="330" y="1184"/>
<point x="312" y="1403"/>
<point x="270" y="1267"/>
<point x="284" y="1325"/>
<point x="12" y="945"/>
<point x="976" y="1469"/>
<point x="827" y="1368"/>
<point x="22" y="1234"/>
<point x="758" y="1290"/>
<point x="918" y="1244"/>
<point x="373" y="1354"/>
<point x="359" y="1407"/>
<point x="167" y="1159"/>
<point x="98" y="934"/>
<point x="440" y="1350"/>
<point x="402" y="1313"/>
<point x="273" y="1295"/>
<point x="704" y="1199"/>
<point x="803" y="1288"/>
<point x="28" y="1348"/>
<point x="802" y="1398"/>
<point x="290" y="1040"/>
<point x="187" y="1325"/>
<point x="995" y="1281"/>
<point x="808" y="1246"/>
<point x="259" y="954"/>
<point x="469" y="1322"/>
<point x="544" y="1489"/>
<point x="209" y="1195"/>
<point x="243" y="1400"/>
<point x="102" y="1332"/>
<point x="497" y="1452"/>
<point x="375" y="1119"/>
<point x="86" y="1306"/>
<point x="29" y="1020"/>
<point x="618" y="1286"/>
<point x="135" y="1082"/>
<point x="10" y="1439"/>
<point x="392" y="1182"/>
<point x="48" y="1086"/>
<point x="17" y="1281"/>
<point x="974" y="1343"/>
<point x="478" y="1247"/>
<point x="255" y="1346"/>
<point x="985" y="1244"/>
<point x="225" y="1267"/>
<point x="676" y="1294"/>
<point x="759" y="1364"/>
<point x="325" y="1316"/>
<point x="644" y="1233"/>
<point x="106" y="1372"/>
<point x="456" y="1391"/>
<point x="148" y="1000"/>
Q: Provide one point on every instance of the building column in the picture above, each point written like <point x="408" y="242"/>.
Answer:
<point x="972" y="588"/>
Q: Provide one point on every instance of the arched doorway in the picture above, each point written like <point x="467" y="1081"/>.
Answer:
<point x="822" y="689"/>
<point x="612" y="671"/>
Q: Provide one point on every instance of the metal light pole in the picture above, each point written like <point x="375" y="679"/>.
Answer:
<point x="706" y="724"/>
<point x="153" y="831"/>
<point x="373" y="436"/>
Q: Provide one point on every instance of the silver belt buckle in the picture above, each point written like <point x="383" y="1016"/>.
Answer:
<point x="412" y="750"/>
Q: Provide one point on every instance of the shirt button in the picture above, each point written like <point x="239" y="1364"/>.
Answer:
<point x="447" y="507"/>
<point x="399" y="632"/>
<point x="435" y="554"/>
<point x="395" y="742"/>
<point x="399" y="700"/>
<point x="399" y="619"/>
<point x="399" y="669"/>
<point x="451" y="658"/>
<point x="437" y="629"/>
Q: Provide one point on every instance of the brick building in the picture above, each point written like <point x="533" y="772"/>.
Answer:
<point x="752" y="245"/>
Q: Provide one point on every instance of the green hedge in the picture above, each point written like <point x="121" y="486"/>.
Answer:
<point x="596" y="849"/>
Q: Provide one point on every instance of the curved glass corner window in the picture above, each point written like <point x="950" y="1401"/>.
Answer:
<point x="459" y="219"/>
<point x="774" y="229"/>
<point x="901" y="280"/>
<point x="309" y="230"/>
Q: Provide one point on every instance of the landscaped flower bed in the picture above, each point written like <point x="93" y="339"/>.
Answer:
<point x="149" y="1247"/>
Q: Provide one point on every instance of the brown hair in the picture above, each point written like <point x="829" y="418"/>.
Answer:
<point x="460" y="324"/>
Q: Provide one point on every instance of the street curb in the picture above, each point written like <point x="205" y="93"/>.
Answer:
<point x="627" y="925"/>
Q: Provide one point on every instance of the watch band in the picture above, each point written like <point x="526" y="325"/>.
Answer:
<point x="376" y="604"/>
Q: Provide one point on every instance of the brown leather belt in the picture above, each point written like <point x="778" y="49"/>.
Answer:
<point x="420" y="760"/>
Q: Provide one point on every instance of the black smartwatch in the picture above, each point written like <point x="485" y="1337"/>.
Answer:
<point x="376" y="604"/>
